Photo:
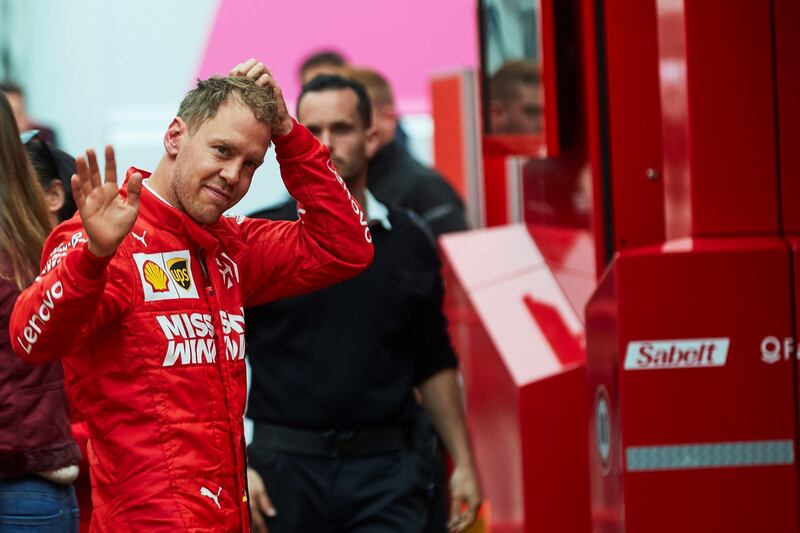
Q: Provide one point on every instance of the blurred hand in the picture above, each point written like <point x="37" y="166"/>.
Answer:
<point x="106" y="216"/>
<point x="260" y="504"/>
<point x="282" y="122"/>
<point x="465" y="496"/>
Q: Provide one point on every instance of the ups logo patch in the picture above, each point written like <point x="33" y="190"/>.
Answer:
<point x="179" y="270"/>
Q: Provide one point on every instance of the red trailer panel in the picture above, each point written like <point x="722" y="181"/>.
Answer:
<point x="696" y="438"/>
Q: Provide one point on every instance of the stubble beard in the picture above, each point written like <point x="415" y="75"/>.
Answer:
<point x="195" y="210"/>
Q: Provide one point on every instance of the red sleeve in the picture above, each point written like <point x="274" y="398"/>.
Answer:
<point x="83" y="485"/>
<point x="329" y="243"/>
<point x="80" y="432"/>
<point x="66" y="301"/>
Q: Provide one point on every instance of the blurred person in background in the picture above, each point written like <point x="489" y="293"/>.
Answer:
<point x="54" y="169"/>
<point x="396" y="177"/>
<point x="16" y="97"/>
<point x="516" y="98"/>
<point x="321" y="62"/>
<point x="331" y="63"/>
<point x="339" y="444"/>
<point x="146" y="286"/>
<point x="38" y="456"/>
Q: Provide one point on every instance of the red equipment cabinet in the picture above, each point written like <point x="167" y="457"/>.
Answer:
<point x="696" y="436"/>
<point x="520" y="343"/>
<point x="691" y="434"/>
<point x="787" y="75"/>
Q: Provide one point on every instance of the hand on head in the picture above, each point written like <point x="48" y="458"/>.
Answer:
<point x="282" y="122"/>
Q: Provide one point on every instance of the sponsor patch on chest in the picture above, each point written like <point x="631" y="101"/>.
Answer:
<point x="166" y="276"/>
<point x="191" y="340"/>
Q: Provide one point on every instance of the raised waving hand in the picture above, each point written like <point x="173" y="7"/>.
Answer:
<point x="107" y="217"/>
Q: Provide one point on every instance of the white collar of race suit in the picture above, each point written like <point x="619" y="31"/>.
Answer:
<point x="146" y="185"/>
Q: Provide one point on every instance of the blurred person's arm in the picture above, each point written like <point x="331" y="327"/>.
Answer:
<point x="260" y="504"/>
<point x="441" y="397"/>
<point x="437" y="383"/>
<point x="439" y="206"/>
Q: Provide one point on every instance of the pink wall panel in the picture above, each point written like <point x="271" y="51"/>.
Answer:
<point x="408" y="41"/>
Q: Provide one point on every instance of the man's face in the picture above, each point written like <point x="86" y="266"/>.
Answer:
<point x="522" y="114"/>
<point x="385" y="120"/>
<point x="332" y="117"/>
<point x="214" y="165"/>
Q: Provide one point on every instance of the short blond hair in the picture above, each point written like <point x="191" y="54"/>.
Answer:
<point x="202" y="103"/>
<point x="380" y="92"/>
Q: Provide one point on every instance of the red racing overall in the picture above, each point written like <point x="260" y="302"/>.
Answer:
<point x="152" y="339"/>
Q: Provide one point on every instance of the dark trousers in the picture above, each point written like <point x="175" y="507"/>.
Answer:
<point x="381" y="493"/>
<point x="438" y="512"/>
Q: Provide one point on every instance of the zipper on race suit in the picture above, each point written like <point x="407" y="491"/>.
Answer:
<point x="201" y="255"/>
<point x="243" y="515"/>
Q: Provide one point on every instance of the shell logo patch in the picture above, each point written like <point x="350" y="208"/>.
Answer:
<point x="155" y="277"/>
<point x="166" y="276"/>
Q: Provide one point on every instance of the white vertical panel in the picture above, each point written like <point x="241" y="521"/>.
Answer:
<point x="102" y="71"/>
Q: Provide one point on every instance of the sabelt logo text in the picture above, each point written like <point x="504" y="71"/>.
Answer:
<point x="676" y="353"/>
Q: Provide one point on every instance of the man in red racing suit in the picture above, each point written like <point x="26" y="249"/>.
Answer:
<point x="142" y="295"/>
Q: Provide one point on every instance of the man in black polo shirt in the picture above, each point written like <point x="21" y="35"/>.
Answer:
<point x="334" y="372"/>
<point x="394" y="176"/>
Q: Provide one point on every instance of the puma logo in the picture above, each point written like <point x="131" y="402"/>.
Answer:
<point x="208" y="494"/>
<point x="140" y="238"/>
